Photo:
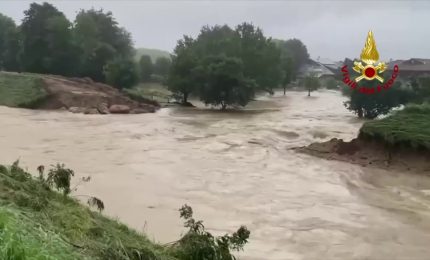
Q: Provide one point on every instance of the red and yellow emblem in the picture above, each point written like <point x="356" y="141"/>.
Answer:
<point x="370" y="56"/>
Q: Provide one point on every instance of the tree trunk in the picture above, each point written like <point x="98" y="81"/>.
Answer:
<point x="360" y="113"/>
<point x="185" y="97"/>
<point x="309" y="92"/>
<point x="223" y="106"/>
<point x="285" y="89"/>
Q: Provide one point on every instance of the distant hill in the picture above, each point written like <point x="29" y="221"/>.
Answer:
<point x="153" y="53"/>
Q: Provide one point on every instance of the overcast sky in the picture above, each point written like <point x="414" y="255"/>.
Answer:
<point x="330" y="29"/>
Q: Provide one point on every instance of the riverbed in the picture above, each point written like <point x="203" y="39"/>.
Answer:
<point x="235" y="168"/>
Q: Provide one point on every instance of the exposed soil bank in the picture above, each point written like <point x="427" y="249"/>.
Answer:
<point x="370" y="153"/>
<point x="78" y="95"/>
<point x="86" y="96"/>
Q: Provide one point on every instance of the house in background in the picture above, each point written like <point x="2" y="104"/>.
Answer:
<point x="315" y="68"/>
<point x="412" y="68"/>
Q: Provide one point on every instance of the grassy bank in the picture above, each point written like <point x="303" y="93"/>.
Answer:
<point x="150" y="91"/>
<point x="37" y="222"/>
<point x="21" y="90"/>
<point x="409" y="128"/>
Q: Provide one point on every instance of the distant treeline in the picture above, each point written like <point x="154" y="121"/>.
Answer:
<point x="93" y="45"/>
<point x="223" y="66"/>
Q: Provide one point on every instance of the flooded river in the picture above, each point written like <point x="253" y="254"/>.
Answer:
<point x="233" y="169"/>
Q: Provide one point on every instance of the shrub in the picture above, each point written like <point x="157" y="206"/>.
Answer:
<point x="199" y="244"/>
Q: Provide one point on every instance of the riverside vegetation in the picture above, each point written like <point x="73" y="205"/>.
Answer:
<point x="36" y="222"/>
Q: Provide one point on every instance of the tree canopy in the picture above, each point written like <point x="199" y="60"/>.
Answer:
<point x="9" y="44"/>
<point x="46" y="42"/>
<point x="146" y="67"/>
<point x="254" y="58"/>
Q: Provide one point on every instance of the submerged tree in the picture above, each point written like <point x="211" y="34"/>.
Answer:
<point x="311" y="83"/>
<point x="225" y="85"/>
<point x="183" y="76"/>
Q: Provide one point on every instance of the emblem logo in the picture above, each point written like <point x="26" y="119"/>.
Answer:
<point x="369" y="68"/>
<point x="369" y="55"/>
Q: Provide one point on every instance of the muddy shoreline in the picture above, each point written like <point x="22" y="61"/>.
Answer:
<point x="368" y="153"/>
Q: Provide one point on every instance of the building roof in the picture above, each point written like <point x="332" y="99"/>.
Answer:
<point x="414" y="64"/>
<point x="315" y="68"/>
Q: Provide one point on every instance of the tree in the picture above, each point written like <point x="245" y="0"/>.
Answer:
<point x="48" y="45"/>
<point x="420" y="88"/>
<point x="225" y="83"/>
<point x="311" y="83"/>
<point x="100" y="40"/>
<point x="371" y="106"/>
<point x="146" y="68"/>
<point x="184" y="75"/>
<point x="331" y="83"/>
<point x="287" y="72"/>
<point x="162" y="66"/>
<point x="9" y="44"/>
<point x="295" y="50"/>
<point x="260" y="56"/>
<point x="121" y="73"/>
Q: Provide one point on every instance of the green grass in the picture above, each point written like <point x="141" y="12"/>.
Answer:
<point x="21" y="90"/>
<point x="38" y="223"/>
<point x="409" y="127"/>
<point x="151" y="91"/>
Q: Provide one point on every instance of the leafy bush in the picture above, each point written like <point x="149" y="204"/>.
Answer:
<point x="199" y="244"/>
<point x="59" y="177"/>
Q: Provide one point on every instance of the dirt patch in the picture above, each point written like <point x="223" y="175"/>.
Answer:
<point x="85" y="94"/>
<point x="371" y="154"/>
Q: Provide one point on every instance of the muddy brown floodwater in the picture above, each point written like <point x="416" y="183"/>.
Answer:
<point x="233" y="169"/>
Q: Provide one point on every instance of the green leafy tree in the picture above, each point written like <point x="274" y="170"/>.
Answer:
<point x="260" y="56"/>
<point x="311" y="83"/>
<point x="100" y="40"/>
<point x="48" y="45"/>
<point x="9" y="44"/>
<point x="296" y="51"/>
<point x="121" y="73"/>
<point x="146" y="68"/>
<point x="371" y="106"/>
<point x="224" y="82"/>
<point x="162" y="66"/>
<point x="184" y="76"/>
<point x="287" y="72"/>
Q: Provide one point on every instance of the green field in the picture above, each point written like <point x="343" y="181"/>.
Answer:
<point x="21" y="90"/>
<point x="409" y="127"/>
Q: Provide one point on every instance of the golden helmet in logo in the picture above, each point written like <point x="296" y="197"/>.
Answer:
<point x="369" y="55"/>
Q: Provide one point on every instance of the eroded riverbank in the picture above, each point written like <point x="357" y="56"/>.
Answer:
<point x="235" y="168"/>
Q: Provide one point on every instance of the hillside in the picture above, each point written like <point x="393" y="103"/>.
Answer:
<point x="153" y="53"/>
<point x="79" y="95"/>
<point x="37" y="222"/>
